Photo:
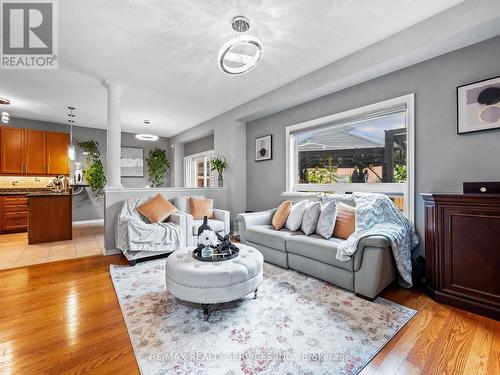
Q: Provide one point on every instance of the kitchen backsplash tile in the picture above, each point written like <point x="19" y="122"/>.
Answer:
<point x="24" y="182"/>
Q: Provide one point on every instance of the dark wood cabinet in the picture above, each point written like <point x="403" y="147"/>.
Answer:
<point x="462" y="248"/>
<point x="11" y="150"/>
<point x="35" y="144"/>
<point x="50" y="218"/>
<point x="33" y="152"/>
<point x="57" y="154"/>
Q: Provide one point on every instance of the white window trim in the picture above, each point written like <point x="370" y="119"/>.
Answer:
<point x="189" y="172"/>
<point x="407" y="189"/>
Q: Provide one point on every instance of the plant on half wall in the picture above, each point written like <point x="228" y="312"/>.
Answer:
<point x="158" y="165"/>
<point x="94" y="169"/>
<point x="220" y="165"/>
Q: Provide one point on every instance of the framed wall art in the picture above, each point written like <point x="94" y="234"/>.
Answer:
<point x="478" y="106"/>
<point x="132" y="162"/>
<point x="264" y="148"/>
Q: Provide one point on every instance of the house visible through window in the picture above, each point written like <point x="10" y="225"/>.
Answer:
<point x="368" y="149"/>
<point x="198" y="170"/>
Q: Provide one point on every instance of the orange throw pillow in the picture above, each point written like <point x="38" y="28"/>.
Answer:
<point x="157" y="209"/>
<point x="281" y="214"/>
<point x="346" y="221"/>
<point x="201" y="207"/>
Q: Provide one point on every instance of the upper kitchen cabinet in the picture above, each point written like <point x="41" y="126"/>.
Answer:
<point x="33" y="152"/>
<point x="57" y="154"/>
<point x="12" y="151"/>
<point x="35" y="143"/>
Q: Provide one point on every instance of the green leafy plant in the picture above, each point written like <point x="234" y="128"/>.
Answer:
<point x="94" y="169"/>
<point x="400" y="173"/>
<point x="220" y="165"/>
<point x="158" y="165"/>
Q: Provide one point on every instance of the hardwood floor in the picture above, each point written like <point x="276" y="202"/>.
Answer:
<point x="64" y="318"/>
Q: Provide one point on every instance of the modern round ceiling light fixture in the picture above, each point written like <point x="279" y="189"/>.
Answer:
<point x="147" y="137"/>
<point x="241" y="54"/>
<point x="4" y="101"/>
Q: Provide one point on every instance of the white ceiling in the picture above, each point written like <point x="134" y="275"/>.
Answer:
<point x="163" y="53"/>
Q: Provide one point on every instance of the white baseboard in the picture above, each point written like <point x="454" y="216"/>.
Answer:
<point x="83" y="222"/>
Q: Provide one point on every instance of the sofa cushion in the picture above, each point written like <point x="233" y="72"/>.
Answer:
<point x="310" y="219"/>
<point x="326" y="220"/>
<point x="294" y="220"/>
<point x="182" y="202"/>
<point x="317" y="248"/>
<point x="201" y="207"/>
<point x="345" y="224"/>
<point x="266" y="235"/>
<point x="157" y="209"/>
<point x="216" y="225"/>
<point x="281" y="214"/>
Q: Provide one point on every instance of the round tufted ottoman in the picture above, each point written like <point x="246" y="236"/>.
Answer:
<point x="209" y="283"/>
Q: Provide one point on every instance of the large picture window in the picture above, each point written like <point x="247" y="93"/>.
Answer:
<point x="367" y="149"/>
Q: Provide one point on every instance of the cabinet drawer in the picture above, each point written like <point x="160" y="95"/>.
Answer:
<point x="12" y="223"/>
<point x="15" y="208"/>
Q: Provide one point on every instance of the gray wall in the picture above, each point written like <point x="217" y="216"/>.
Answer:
<point x="200" y="145"/>
<point x="443" y="159"/>
<point x="86" y="206"/>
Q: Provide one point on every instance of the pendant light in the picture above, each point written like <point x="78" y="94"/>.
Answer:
<point x="147" y="137"/>
<point x="71" y="146"/>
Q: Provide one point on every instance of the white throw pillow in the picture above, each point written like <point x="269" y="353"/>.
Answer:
<point x="311" y="218"/>
<point x="327" y="219"/>
<point x="294" y="220"/>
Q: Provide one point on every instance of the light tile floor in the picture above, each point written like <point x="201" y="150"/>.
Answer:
<point x="15" y="252"/>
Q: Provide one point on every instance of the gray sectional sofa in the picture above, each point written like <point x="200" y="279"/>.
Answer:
<point x="368" y="272"/>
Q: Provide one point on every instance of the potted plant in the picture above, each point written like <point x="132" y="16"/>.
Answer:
<point x="94" y="169"/>
<point x="220" y="165"/>
<point x="158" y="165"/>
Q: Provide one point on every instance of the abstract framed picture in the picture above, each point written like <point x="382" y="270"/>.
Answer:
<point x="264" y="148"/>
<point x="478" y="106"/>
<point x="132" y="162"/>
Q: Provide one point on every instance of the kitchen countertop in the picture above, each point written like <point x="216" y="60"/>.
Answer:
<point x="29" y="192"/>
<point x="47" y="194"/>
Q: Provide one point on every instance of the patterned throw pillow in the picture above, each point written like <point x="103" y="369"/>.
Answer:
<point x="294" y="220"/>
<point x="310" y="219"/>
<point x="281" y="214"/>
<point x="346" y="221"/>
<point x="327" y="218"/>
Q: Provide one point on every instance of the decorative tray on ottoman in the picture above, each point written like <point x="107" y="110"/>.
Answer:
<point x="224" y="251"/>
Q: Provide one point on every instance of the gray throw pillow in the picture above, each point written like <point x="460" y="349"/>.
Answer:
<point x="311" y="218"/>
<point x="327" y="218"/>
<point x="294" y="220"/>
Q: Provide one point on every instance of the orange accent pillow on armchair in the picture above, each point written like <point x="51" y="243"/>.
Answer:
<point x="201" y="207"/>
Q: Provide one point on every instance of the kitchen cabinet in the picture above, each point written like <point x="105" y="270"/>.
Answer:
<point x="33" y="152"/>
<point x="57" y="154"/>
<point x="14" y="213"/>
<point x="11" y="150"/>
<point x="35" y="142"/>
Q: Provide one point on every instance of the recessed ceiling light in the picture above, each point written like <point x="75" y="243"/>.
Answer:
<point x="147" y="137"/>
<point x="5" y="117"/>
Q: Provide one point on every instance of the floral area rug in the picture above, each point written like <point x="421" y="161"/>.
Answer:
<point x="297" y="325"/>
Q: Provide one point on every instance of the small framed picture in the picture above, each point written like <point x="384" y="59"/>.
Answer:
<point x="478" y="106"/>
<point x="264" y="148"/>
<point x="132" y="162"/>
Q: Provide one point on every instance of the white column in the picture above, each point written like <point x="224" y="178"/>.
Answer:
<point x="114" y="135"/>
